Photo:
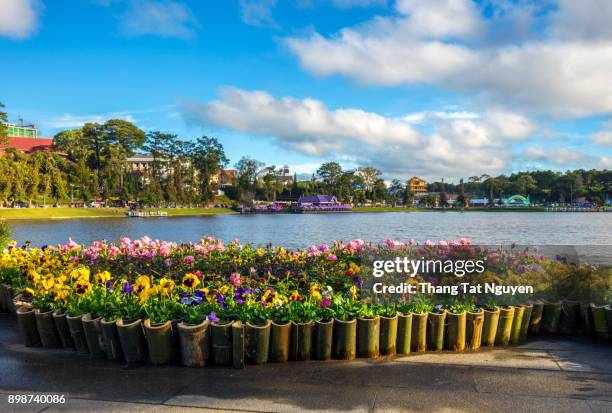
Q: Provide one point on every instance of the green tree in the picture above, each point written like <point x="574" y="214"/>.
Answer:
<point x="329" y="173"/>
<point x="248" y="170"/>
<point x="208" y="159"/>
<point x="3" y="129"/>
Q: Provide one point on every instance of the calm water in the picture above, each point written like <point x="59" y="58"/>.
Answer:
<point x="298" y="231"/>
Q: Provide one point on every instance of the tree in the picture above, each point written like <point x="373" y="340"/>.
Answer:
<point x="329" y="173"/>
<point x="461" y="201"/>
<point x="209" y="159"/>
<point x="59" y="189"/>
<point x="248" y="170"/>
<point x="3" y="129"/>
<point x="408" y="196"/>
<point x="71" y="142"/>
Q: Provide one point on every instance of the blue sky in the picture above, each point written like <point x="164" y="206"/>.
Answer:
<point x="438" y="88"/>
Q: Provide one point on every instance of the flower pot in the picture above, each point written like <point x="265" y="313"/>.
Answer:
<point x="238" y="352"/>
<point x="435" y="330"/>
<point x="368" y="337"/>
<point x="195" y="343"/>
<point x="551" y="315"/>
<point x="61" y="324"/>
<point x="26" y="320"/>
<point x="517" y="322"/>
<point x="526" y="321"/>
<point x="132" y="340"/>
<point x="586" y="316"/>
<point x="473" y="329"/>
<point x="388" y="335"/>
<point x="280" y="335"/>
<point x="535" y="322"/>
<point x="345" y="339"/>
<point x="418" y="340"/>
<point x="489" y="326"/>
<point x="504" y="327"/>
<point x="221" y="343"/>
<point x="75" y="324"/>
<point x="404" y="333"/>
<point x="322" y="338"/>
<point x="257" y="342"/>
<point x="161" y="342"/>
<point x="570" y="318"/>
<point x="110" y="338"/>
<point x="600" y="323"/>
<point x="47" y="331"/>
<point x="455" y="331"/>
<point x="301" y="341"/>
<point x="13" y="301"/>
<point x="609" y="319"/>
<point x="3" y="296"/>
<point x="93" y="336"/>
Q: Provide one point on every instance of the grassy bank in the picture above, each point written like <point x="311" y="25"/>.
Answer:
<point x="68" y="213"/>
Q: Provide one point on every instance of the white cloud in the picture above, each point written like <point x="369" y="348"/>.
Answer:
<point x="349" y="4"/>
<point x="69" y="121"/>
<point x="258" y="13"/>
<point x="567" y="158"/>
<point x="19" y="18"/>
<point x="566" y="72"/>
<point x="584" y="19"/>
<point x="603" y="138"/>
<point x="420" y="117"/>
<point x="162" y="18"/>
<point x="458" y="146"/>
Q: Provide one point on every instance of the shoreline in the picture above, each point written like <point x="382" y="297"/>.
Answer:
<point x="25" y="214"/>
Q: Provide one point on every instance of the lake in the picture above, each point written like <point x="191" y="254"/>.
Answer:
<point x="301" y="230"/>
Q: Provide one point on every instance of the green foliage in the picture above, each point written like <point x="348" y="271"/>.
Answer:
<point x="301" y="312"/>
<point x="5" y="235"/>
<point x="345" y="308"/>
<point x="161" y="308"/>
<point x="458" y="307"/>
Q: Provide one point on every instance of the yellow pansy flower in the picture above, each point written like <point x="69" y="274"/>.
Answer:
<point x="102" y="277"/>
<point x="48" y="282"/>
<point x="82" y="286"/>
<point x="190" y="280"/>
<point x="166" y="285"/>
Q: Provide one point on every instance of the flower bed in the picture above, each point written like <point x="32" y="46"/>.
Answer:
<point x="227" y="303"/>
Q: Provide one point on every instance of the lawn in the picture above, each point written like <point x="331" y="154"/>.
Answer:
<point x="65" y="213"/>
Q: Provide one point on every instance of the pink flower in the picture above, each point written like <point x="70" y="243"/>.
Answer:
<point x="189" y="260"/>
<point x="331" y="257"/>
<point x="465" y="241"/>
<point x="443" y="243"/>
<point x="324" y="248"/>
<point x="167" y="262"/>
<point x="453" y="243"/>
<point x="429" y="243"/>
<point x="325" y="303"/>
<point x="235" y="279"/>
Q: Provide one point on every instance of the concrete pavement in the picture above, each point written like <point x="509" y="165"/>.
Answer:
<point x="557" y="375"/>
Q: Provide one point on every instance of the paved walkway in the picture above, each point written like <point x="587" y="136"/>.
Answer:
<point x="539" y="376"/>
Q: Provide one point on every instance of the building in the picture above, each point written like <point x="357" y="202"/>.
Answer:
<point x="22" y="130"/>
<point x="319" y="200"/>
<point x="479" y="202"/>
<point x="25" y="138"/>
<point x="227" y="177"/>
<point x="417" y="185"/>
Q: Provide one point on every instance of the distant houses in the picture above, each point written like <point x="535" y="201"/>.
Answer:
<point x="417" y="185"/>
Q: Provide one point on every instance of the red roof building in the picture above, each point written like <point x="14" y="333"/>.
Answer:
<point x="28" y="145"/>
